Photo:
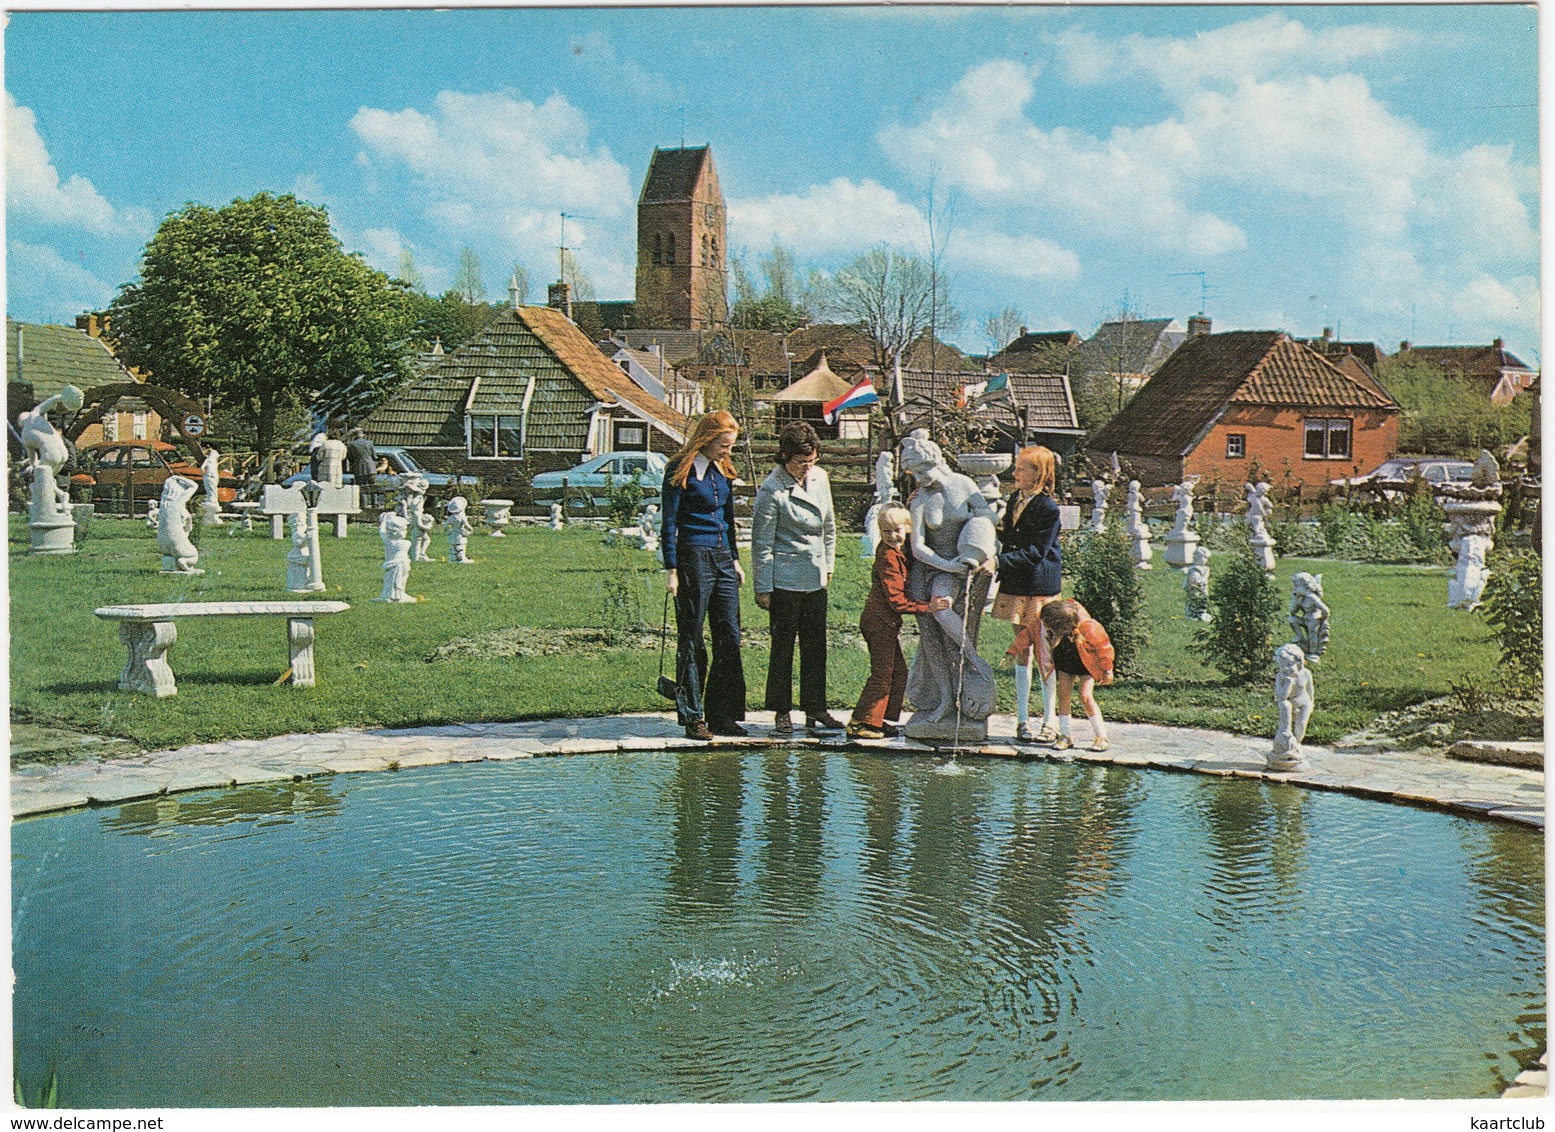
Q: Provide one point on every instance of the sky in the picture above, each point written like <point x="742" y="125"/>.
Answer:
<point x="1373" y="169"/>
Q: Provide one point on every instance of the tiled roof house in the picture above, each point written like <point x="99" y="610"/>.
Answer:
<point x="1223" y="400"/>
<point x="41" y="359"/>
<point x="1032" y="351"/>
<point x="1130" y="350"/>
<point x="530" y="388"/>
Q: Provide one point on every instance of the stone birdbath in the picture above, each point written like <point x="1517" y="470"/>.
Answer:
<point x="985" y="469"/>
<point x="498" y="515"/>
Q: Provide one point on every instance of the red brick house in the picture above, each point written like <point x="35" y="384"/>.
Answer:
<point x="1222" y="401"/>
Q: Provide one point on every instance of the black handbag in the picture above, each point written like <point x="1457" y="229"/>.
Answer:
<point x="666" y="686"/>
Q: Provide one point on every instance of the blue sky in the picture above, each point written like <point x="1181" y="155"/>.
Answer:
<point x="1368" y="168"/>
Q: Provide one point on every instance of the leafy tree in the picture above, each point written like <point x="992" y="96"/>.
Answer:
<point x="1445" y="413"/>
<point x="1514" y="609"/>
<point x="448" y="318"/>
<point x="781" y="306"/>
<point x="1107" y="583"/>
<point x="893" y="296"/>
<point x="257" y="305"/>
<point x="409" y="274"/>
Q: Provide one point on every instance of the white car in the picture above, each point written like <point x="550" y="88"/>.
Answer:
<point x="618" y="467"/>
<point x="1395" y="473"/>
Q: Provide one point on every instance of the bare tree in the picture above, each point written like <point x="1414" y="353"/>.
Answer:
<point x="574" y="276"/>
<point x="467" y="280"/>
<point x="1003" y="328"/>
<point x="408" y="273"/>
<point x="894" y="296"/>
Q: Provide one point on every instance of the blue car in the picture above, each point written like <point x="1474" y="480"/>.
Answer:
<point x="589" y="477"/>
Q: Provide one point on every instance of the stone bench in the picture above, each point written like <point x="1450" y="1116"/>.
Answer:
<point x="148" y="631"/>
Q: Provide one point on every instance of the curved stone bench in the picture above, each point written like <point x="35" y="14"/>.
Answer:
<point x="148" y="631"/>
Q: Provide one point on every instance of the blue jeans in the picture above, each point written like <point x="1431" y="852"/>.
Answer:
<point x="709" y="591"/>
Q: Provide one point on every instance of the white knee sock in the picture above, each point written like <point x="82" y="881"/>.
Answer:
<point x="1049" y="697"/>
<point x="1098" y="728"/>
<point x="1023" y="693"/>
<point x="1063" y="725"/>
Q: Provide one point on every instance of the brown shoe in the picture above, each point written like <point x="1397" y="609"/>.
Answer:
<point x="698" y="730"/>
<point x="864" y="731"/>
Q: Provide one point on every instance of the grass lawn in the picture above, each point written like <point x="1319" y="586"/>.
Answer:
<point x="1394" y="643"/>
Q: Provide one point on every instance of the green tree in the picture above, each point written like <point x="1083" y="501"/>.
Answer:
<point x="1107" y="583"/>
<point x="449" y="319"/>
<point x="257" y="305"/>
<point x="1445" y="414"/>
<point x="781" y="305"/>
<point x="1245" y="606"/>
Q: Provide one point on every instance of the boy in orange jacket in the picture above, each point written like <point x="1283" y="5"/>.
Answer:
<point x="1081" y="650"/>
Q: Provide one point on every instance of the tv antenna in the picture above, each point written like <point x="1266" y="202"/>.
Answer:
<point x="562" y="249"/>
<point x="1204" y="295"/>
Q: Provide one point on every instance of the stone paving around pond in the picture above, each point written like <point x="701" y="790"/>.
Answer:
<point x="1506" y="793"/>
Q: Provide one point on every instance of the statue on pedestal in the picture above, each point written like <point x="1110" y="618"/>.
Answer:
<point x="175" y="526"/>
<point x="1196" y="585"/>
<point x="557" y="520"/>
<point x="1100" y="489"/>
<point x="210" y="479"/>
<point x="1293" y="696"/>
<point x="1471" y="526"/>
<point x="1309" y="615"/>
<point x="648" y="525"/>
<point x="954" y="546"/>
<point x="1182" y="539"/>
<point x="413" y="497"/>
<point x="299" y="576"/>
<point x="1135" y="527"/>
<point x="1259" y="509"/>
<point x="50" y="523"/>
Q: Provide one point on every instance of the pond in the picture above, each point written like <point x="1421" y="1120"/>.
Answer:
<point x="771" y="926"/>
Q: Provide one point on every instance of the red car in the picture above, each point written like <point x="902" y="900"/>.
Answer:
<point x="122" y="474"/>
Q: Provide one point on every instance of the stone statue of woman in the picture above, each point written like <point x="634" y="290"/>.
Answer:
<point x="954" y="545"/>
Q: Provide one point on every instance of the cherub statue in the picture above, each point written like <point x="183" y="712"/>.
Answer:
<point x="299" y="576"/>
<point x="557" y="521"/>
<point x="1309" y="615"/>
<point x="210" y="479"/>
<point x="1196" y="584"/>
<point x="1099" y="492"/>
<point x="1293" y="696"/>
<point x="458" y="526"/>
<point x="648" y="524"/>
<point x="49" y="517"/>
<point x="413" y="496"/>
<point x="175" y="525"/>
<point x="394" y="529"/>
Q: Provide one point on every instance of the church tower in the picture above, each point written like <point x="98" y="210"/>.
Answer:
<point x="682" y="243"/>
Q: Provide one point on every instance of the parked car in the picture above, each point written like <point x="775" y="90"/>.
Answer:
<point x="401" y="464"/>
<point x="589" y="478"/>
<point x="118" y="474"/>
<point x="1402" y="469"/>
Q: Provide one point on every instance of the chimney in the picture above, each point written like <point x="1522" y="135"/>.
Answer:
<point x="1404" y="345"/>
<point x="1197" y="325"/>
<point x="1328" y="333"/>
<point x="87" y="323"/>
<point x="1498" y="344"/>
<point x="558" y="296"/>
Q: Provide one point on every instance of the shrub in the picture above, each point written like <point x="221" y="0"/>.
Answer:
<point x="625" y="498"/>
<point x="1424" y="525"/>
<point x="1245" y="607"/>
<point x="1514" y="608"/>
<point x="1107" y="583"/>
<point x="1301" y="540"/>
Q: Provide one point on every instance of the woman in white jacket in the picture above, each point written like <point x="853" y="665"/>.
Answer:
<point x="793" y="553"/>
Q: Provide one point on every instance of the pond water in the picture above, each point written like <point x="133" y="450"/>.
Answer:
<point x="768" y="926"/>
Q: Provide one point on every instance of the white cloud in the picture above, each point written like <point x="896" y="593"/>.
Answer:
<point x="497" y="172"/>
<point x="44" y="285"/>
<point x="33" y="186"/>
<point x="841" y="216"/>
<point x="1015" y="257"/>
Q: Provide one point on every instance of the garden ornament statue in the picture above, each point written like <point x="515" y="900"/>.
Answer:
<point x="954" y="543"/>
<point x="210" y="479"/>
<point x="1293" y="696"/>
<point x="175" y="526"/>
<point x="885" y="493"/>
<point x="1100" y="489"/>
<point x="1309" y="615"/>
<point x="394" y="529"/>
<point x="1196" y="584"/>
<point x="153" y="509"/>
<point x="1135" y="527"/>
<point x="1259" y="510"/>
<point x="1182" y="540"/>
<point x="557" y="519"/>
<point x="648" y="528"/>
<point x="1471" y="526"/>
<point x="413" y="497"/>
<point x="299" y="559"/>
<point x="498" y="515"/>
<point x="457" y="524"/>
<point x="50" y="524"/>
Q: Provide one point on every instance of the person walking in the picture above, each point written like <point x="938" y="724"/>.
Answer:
<point x="362" y="463"/>
<point x="1030" y="571"/>
<point x="793" y="555"/>
<point x="704" y="575"/>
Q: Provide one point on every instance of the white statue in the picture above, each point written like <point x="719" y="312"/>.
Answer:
<point x="332" y="462"/>
<point x="498" y="515"/>
<point x="1309" y="615"/>
<point x="413" y="495"/>
<point x="1182" y="539"/>
<point x="1471" y="526"/>
<point x="1259" y="509"/>
<point x="299" y="559"/>
<point x="1293" y="696"/>
<point x="954" y="539"/>
<point x="394" y="529"/>
<point x="210" y="479"/>
<point x="153" y="513"/>
<point x="1100" y="489"/>
<point x="1196" y="583"/>
<point x="51" y="525"/>
<point x="649" y="526"/>
<point x="885" y="477"/>
<point x="175" y="525"/>
<point x="557" y="521"/>
<point x="1135" y="527"/>
<point x="457" y="524"/>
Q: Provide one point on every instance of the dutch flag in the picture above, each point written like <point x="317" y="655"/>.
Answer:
<point x="861" y="394"/>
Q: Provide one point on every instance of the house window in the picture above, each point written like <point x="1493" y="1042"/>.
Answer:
<point x="1327" y="440"/>
<point x="630" y="436"/>
<point x="138" y="426"/>
<point x="495" y="436"/>
<point x="110" y="426"/>
<point x="1236" y="445"/>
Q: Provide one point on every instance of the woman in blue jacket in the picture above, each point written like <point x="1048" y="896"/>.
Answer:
<point x="1030" y="568"/>
<point x="696" y="538"/>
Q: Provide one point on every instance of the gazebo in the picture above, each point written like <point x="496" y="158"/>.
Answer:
<point x="802" y="401"/>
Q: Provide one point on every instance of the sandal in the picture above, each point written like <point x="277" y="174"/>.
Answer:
<point x="1023" y="731"/>
<point x="1047" y="734"/>
<point x="1098" y="744"/>
<point x="1062" y="743"/>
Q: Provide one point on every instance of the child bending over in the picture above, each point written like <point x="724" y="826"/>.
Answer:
<point x="1081" y="650"/>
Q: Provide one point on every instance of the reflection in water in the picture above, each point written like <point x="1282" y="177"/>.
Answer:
<point x="266" y="804"/>
<point x="772" y="926"/>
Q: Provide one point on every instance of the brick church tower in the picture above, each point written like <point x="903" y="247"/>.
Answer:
<point x="682" y="243"/>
